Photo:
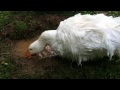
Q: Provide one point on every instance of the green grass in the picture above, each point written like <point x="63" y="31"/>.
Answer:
<point x="20" y="26"/>
<point x="4" y="20"/>
<point x="7" y="69"/>
<point x="25" y="24"/>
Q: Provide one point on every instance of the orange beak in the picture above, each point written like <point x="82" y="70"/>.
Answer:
<point x="27" y="55"/>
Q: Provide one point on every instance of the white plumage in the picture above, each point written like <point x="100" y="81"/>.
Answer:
<point x="82" y="38"/>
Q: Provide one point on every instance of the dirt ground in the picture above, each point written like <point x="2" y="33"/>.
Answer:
<point x="16" y="49"/>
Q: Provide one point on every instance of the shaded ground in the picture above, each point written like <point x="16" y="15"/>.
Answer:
<point x="19" y="29"/>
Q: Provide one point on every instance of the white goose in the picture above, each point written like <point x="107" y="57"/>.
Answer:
<point x="82" y="38"/>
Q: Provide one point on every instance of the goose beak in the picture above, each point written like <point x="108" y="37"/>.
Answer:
<point x="27" y="55"/>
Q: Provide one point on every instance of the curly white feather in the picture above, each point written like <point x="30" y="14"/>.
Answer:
<point x="89" y="36"/>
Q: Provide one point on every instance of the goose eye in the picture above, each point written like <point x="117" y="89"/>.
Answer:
<point x="30" y="49"/>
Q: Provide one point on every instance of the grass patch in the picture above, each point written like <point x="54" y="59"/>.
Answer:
<point x="8" y="69"/>
<point x="4" y="18"/>
<point x="20" y="26"/>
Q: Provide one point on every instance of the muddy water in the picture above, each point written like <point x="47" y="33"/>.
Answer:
<point x="21" y="47"/>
